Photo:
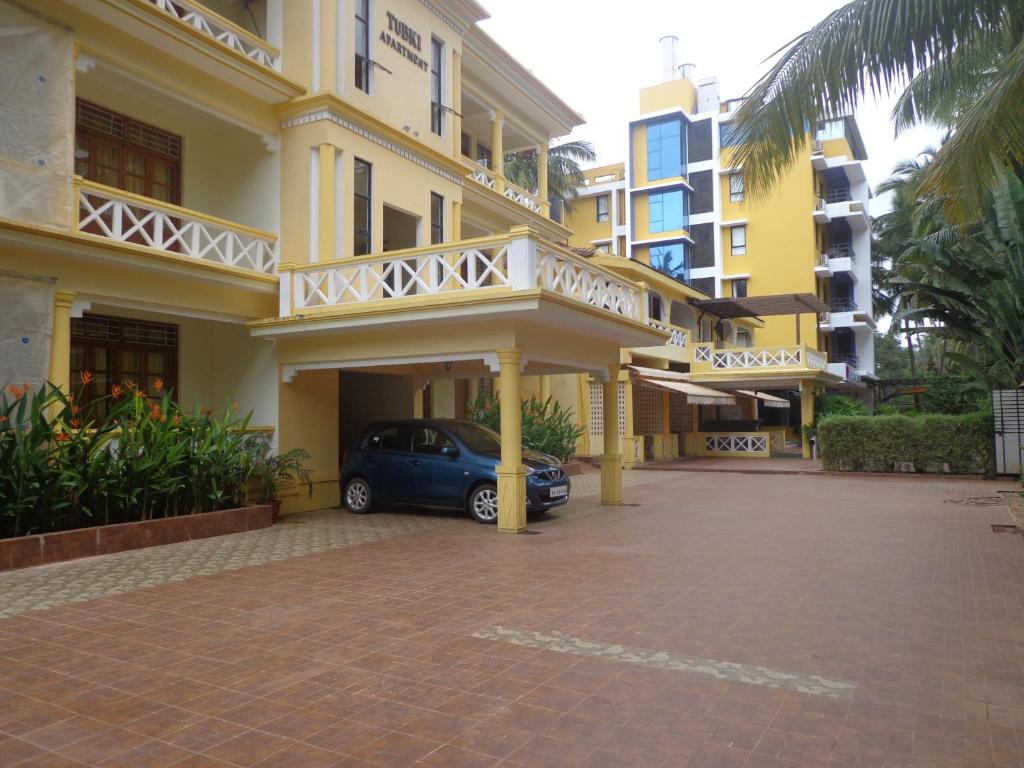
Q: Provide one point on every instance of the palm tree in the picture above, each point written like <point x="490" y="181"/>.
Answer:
<point x="564" y="172"/>
<point x="959" y="63"/>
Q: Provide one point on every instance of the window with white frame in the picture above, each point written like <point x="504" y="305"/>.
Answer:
<point x="738" y="239"/>
<point x="602" y="207"/>
<point x="737" y="188"/>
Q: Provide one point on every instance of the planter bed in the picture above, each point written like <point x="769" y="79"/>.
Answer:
<point x="120" y="537"/>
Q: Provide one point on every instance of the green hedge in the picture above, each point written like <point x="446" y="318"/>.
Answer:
<point x="930" y="443"/>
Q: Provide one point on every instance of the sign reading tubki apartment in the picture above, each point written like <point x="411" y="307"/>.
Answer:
<point x="405" y="40"/>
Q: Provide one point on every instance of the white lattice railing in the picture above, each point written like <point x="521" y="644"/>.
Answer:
<point x="129" y="218"/>
<point x="702" y="353"/>
<point x="760" y="357"/>
<point x="815" y="359"/>
<point x="521" y="196"/>
<point x="736" y="443"/>
<point x="482" y="175"/>
<point x="518" y="263"/>
<point x="677" y="336"/>
<point x="213" y="25"/>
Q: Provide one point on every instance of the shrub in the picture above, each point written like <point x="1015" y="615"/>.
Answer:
<point x="547" y="427"/>
<point x="120" y="458"/>
<point x="927" y="443"/>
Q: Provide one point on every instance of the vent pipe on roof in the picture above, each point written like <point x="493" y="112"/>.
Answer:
<point x="668" y="57"/>
<point x="687" y="71"/>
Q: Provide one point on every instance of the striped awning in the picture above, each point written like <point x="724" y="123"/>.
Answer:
<point x="770" y="401"/>
<point x="695" y="393"/>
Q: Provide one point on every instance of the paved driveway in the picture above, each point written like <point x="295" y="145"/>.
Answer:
<point x="724" y="620"/>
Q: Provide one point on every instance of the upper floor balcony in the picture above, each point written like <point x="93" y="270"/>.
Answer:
<point x="837" y="259"/>
<point x="708" y="358"/>
<point x="489" y="179"/>
<point x="838" y="204"/>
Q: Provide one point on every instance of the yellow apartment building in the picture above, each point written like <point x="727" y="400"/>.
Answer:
<point x="298" y="205"/>
<point x="768" y="303"/>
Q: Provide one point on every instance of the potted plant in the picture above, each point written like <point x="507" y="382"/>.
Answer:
<point x="272" y="471"/>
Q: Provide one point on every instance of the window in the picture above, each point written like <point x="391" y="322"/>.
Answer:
<point x="738" y="236"/>
<point x="743" y="338"/>
<point x="361" y="213"/>
<point x="394" y="438"/>
<point x="466" y="144"/>
<point x="363" y="45"/>
<point x="125" y="352"/>
<point x="739" y="289"/>
<point x="436" y="64"/>
<point x="671" y="259"/>
<point x="431" y="441"/>
<point x="654" y="306"/>
<point x="436" y="218"/>
<point x="737" y="188"/>
<point x="667" y="211"/>
<point x="830" y="129"/>
<point x="725" y="135"/>
<point x="602" y="207"/>
<point x="120" y="152"/>
<point x="666" y="150"/>
<point x="483" y="155"/>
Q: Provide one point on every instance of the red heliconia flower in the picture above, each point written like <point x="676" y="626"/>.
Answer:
<point x="158" y="384"/>
<point x="15" y="391"/>
<point x="116" y="390"/>
<point x="86" y="377"/>
<point x="76" y="423"/>
<point x="62" y="437"/>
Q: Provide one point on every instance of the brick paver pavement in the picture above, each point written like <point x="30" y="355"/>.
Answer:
<point x="725" y="620"/>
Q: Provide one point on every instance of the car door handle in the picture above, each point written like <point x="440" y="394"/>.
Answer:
<point x="413" y="462"/>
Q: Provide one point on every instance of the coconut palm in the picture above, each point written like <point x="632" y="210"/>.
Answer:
<point x="955" y="63"/>
<point x="564" y="171"/>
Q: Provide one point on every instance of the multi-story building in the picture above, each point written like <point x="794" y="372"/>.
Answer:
<point x="678" y="206"/>
<point x="299" y="206"/>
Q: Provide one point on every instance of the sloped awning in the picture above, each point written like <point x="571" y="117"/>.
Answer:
<point x="770" y="401"/>
<point x="695" y="393"/>
<point x="655" y="373"/>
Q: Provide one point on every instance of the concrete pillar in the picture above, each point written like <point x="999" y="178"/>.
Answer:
<point x="611" y="460"/>
<point x="60" y="341"/>
<point x="511" y="472"/>
<point x="806" y="414"/>
<point x="545" y="388"/>
<point x="542" y="179"/>
<point x="456" y="227"/>
<point x="325" y="245"/>
<point x="498" y="150"/>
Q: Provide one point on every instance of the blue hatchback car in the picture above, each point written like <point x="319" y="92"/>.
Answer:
<point x="442" y="463"/>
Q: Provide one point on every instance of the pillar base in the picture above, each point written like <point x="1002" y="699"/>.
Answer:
<point x="611" y="479"/>
<point x="511" y="499"/>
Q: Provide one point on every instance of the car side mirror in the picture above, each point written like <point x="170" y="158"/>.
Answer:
<point x="449" y="450"/>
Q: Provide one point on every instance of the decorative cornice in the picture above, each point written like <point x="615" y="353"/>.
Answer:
<point x="461" y="30"/>
<point x="329" y="115"/>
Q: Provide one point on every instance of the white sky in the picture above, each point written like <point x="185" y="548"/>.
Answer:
<point x="596" y="55"/>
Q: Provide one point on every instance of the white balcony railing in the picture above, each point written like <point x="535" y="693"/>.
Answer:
<point x="738" y="443"/>
<point x="482" y="175"/>
<point x="128" y="218"/>
<point x="249" y="45"/>
<point x="468" y="268"/>
<point x="677" y="336"/>
<point x="521" y="196"/>
<point x="486" y="177"/>
<point x="760" y="357"/>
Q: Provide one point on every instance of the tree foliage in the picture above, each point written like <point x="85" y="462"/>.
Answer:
<point x="565" y="173"/>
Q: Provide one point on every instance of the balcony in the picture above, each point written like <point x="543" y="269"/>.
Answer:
<point x="835" y="260"/>
<point x="223" y="31"/>
<point x="486" y="178"/>
<point x="838" y="203"/>
<point x="470" y="271"/>
<point x="842" y="304"/>
<point x="133" y="220"/>
<point x="708" y="359"/>
<point x="676" y="349"/>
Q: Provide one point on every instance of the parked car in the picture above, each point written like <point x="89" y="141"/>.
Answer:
<point x="442" y="463"/>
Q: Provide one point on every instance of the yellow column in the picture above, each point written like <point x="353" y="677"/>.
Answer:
<point x="456" y="104"/>
<point x="325" y="248"/>
<point x="629" y="439"/>
<point x="511" y="472"/>
<point x="545" y="388"/>
<point x="498" y="150"/>
<point x="417" y="399"/>
<point x="611" y="460"/>
<point x="670" y="450"/>
<point x="542" y="179"/>
<point x="60" y="341"/>
<point x="806" y="413"/>
<point x="456" y="226"/>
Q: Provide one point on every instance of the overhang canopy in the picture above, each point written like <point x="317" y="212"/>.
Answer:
<point x="764" y="306"/>
<point x="770" y="401"/>
<point x="677" y="382"/>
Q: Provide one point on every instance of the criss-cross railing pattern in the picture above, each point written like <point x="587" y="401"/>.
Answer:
<point x="129" y="218"/>
<point x="521" y="196"/>
<point x="677" y="336"/>
<point x="815" y="359"/>
<point x="482" y="175"/>
<point x="725" y="443"/>
<point x="194" y="15"/>
<point x="702" y="354"/>
<point x="578" y="280"/>
<point x="387" y="277"/>
<point x="755" y="358"/>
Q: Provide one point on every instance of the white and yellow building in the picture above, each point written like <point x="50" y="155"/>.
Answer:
<point x="297" y="205"/>
<point x="763" y="299"/>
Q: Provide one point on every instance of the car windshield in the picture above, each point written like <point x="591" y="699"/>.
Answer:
<point x="476" y="438"/>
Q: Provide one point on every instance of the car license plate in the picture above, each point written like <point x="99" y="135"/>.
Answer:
<point x="557" y="490"/>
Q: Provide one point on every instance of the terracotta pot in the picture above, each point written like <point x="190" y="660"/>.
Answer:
<point x="275" y="504"/>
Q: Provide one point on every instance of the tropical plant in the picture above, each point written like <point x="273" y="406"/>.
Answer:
<point x="547" y="427"/>
<point x="272" y="471"/>
<point x="956" y="63"/>
<point x="565" y="175"/>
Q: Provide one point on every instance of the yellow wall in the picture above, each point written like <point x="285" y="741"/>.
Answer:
<point x="670" y="95"/>
<point x="309" y="419"/>
<point x="584" y="224"/>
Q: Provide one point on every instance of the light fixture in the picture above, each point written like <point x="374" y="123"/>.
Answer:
<point x="448" y="366"/>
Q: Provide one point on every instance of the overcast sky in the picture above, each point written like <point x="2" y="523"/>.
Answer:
<point x="597" y="55"/>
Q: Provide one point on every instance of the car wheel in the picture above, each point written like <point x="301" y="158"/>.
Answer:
<point x="483" y="504"/>
<point x="358" y="496"/>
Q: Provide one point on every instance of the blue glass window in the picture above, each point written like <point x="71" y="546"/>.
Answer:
<point x="725" y="135"/>
<point x="672" y="259"/>
<point x="666" y="149"/>
<point x="668" y="211"/>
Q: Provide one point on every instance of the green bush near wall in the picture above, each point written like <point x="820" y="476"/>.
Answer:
<point x="929" y="443"/>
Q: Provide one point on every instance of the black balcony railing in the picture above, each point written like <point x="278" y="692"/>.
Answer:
<point x="843" y="357"/>
<point x="840" y="251"/>
<point x="838" y="195"/>
<point x="843" y="304"/>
